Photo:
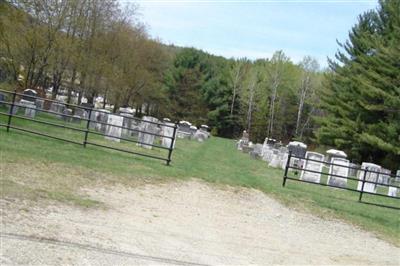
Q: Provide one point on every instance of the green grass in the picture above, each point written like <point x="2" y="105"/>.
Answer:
<point x="35" y="167"/>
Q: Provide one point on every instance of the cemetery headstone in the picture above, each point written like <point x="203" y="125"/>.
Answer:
<point x="57" y="108"/>
<point x="28" y="107"/>
<point x="339" y="168"/>
<point x="298" y="150"/>
<point x="148" y="128"/>
<point x="257" y="151"/>
<point x="332" y="153"/>
<point x="39" y="104"/>
<point x="98" y="119"/>
<point x="353" y="169"/>
<point x="275" y="160"/>
<point x="200" y="136"/>
<point x="395" y="182"/>
<point x="383" y="178"/>
<point x="66" y="115"/>
<point x="29" y="95"/>
<point x="192" y="130"/>
<point x="372" y="175"/>
<point x="313" y="166"/>
<point x="184" y="130"/>
<point x="205" y="129"/>
<point x="168" y="132"/>
<point x="266" y="146"/>
<point x="267" y="156"/>
<point x="244" y="141"/>
<point x="2" y="99"/>
<point x="284" y="158"/>
<point x="14" y="109"/>
<point x="283" y="155"/>
<point x="127" y="124"/>
<point x="113" y="128"/>
<point x="81" y="112"/>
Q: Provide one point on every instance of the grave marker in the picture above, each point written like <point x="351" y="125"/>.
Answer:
<point x="313" y="166"/>
<point x="340" y="169"/>
<point x="370" y="176"/>
<point x="113" y="129"/>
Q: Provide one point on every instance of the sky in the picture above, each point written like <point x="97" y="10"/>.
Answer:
<point x="255" y="28"/>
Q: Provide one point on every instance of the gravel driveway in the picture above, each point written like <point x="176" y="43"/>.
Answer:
<point x="182" y="223"/>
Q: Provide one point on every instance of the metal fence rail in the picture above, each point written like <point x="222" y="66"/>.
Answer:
<point x="86" y="129"/>
<point x="361" y="191"/>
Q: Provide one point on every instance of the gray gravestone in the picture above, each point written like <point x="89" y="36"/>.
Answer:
<point x="98" y="119"/>
<point x="28" y="107"/>
<point x="383" y="178"/>
<point x="2" y="99"/>
<point x="82" y="113"/>
<point x="184" y="130"/>
<point x="66" y="115"/>
<point x="257" y="151"/>
<point x="58" y="109"/>
<point x="29" y="95"/>
<point x="369" y="176"/>
<point x="113" y="128"/>
<point x="200" y="136"/>
<point x="393" y="190"/>
<point x="147" y="126"/>
<point x="298" y="150"/>
<point x="313" y="166"/>
<point x="341" y="169"/>
<point x="127" y="124"/>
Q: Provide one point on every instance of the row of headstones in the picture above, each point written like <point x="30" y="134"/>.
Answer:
<point x="342" y="167"/>
<point x="32" y="108"/>
<point x="276" y="156"/>
<point x="115" y="127"/>
<point x="270" y="151"/>
<point x="187" y="131"/>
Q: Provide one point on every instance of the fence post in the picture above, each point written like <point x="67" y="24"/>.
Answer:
<point x="10" y="113"/>
<point x="171" y="147"/>
<point x="286" y="169"/>
<point x="87" y="127"/>
<point x="362" y="185"/>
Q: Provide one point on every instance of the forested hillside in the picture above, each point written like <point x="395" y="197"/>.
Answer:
<point x="100" y="48"/>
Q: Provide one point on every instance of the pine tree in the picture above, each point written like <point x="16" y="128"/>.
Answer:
<point x="362" y="93"/>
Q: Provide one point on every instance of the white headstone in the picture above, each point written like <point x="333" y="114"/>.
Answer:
<point x="340" y="168"/>
<point x="113" y="129"/>
<point x="392" y="192"/>
<point x="200" y="136"/>
<point x="167" y="131"/>
<point x="275" y="159"/>
<point x="284" y="159"/>
<point x="313" y="166"/>
<point x="369" y="176"/>
<point x="29" y="108"/>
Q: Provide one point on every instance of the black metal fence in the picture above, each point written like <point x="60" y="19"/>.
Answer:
<point x="362" y="181"/>
<point x="94" y="124"/>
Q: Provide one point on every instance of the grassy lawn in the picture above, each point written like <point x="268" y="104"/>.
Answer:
<point x="34" y="167"/>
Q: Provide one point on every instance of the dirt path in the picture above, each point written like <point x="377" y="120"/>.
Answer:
<point x="182" y="223"/>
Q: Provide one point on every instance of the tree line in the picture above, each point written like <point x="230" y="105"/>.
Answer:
<point x="96" y="48"/>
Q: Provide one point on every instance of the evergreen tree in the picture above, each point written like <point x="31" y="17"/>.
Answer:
<point x="362" y="95"/>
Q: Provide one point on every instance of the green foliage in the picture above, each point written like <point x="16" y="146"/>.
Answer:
<point x="362" y="94"/>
